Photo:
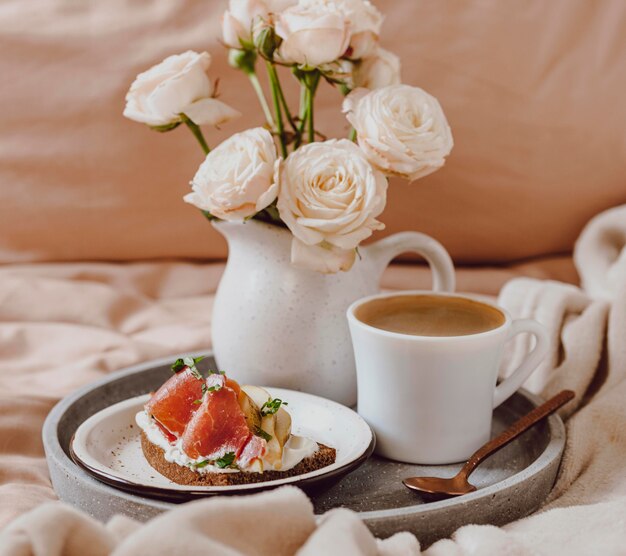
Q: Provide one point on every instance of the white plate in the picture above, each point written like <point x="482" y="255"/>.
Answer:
<point x="108" y="446"/>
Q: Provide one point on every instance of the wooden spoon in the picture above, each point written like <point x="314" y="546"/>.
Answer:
<point x="458" y="485"/>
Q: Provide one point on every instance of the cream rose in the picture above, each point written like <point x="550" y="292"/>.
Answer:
<point x="377" y="71"/>
<point x="239" y="20"/>
<point x="365" y="23"/>
<point x="276" y="6"/>
<point x="236" y="180"/>
<point x="312" y="35"/>
<point x="178" y="85"/>
<point x="329" y="198"/>
<point x="401" y="129"/>
<point x="364" y="19"/>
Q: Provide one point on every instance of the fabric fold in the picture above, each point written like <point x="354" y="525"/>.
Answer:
<point x="576" y="325"/>
<point x="600" y="256"/>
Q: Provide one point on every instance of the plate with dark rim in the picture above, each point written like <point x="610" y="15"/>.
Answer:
<point x="108" y="446"/>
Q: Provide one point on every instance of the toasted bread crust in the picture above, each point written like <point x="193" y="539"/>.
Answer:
<point x="185" y="476"/>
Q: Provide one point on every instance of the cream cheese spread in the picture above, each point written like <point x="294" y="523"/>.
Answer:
<point x="295" y="450"/>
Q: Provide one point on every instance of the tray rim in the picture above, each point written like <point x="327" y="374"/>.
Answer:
<point x="53" y="449"/>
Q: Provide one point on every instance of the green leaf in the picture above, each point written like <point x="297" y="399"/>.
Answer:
<point x="227" y="460"/>
<point x="272" y="406"/>
<point x="243" y="59"/>
<point x="209" y="216"/>
<point x="165" y="127"/>
<point x="197" y="402"/>
<point x="267" y="41"/>
<point x="215" y="388"/>
<point x="189" y="362"/>
<point x="212" y="372"/>
<point x="258" y="431"/>
<point x="178" y="365"/>
<point x="202" y="464"/>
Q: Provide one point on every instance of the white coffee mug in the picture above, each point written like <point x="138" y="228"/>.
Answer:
<point x="430" y="399"/>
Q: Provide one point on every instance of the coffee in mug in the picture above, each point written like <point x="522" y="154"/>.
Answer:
<point x="430" y="315"/>
<point x="427" y="365"/>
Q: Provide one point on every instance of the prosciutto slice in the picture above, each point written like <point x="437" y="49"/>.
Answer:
<point x="217" y="427"/>
<point x="255" y="448"/>
<point x="172" y="405"/>
<point x="208" y="419"/>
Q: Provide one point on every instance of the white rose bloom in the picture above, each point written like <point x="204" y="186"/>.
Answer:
<point x="329" y="198"/>
<point x="312" y="36"/>
<point x="178" y="85"/>
<point x="401" y="129"/>
<point x="236" y="180"/>
<point x="239" y="20"/>
<point x="365" y="22"/>
<point x="276" y="6"/>
<point x="324" y="257"/>
<point x="376" y="71"/>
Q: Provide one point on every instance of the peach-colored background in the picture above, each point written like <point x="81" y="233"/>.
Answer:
<point x="534" y="92"/>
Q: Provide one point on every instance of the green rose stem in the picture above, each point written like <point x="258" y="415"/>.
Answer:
<point x="311" y="80"/>
<point x="245" y="60"/>
<point x="309" y="115"/>
<point x="271" y="68"/>
<point x="345" y="91"/>
<point x="197" y="133"/>
<point x="278" y="114"/>
<point x="301" y="115"/>
<point x="254" y="80"/>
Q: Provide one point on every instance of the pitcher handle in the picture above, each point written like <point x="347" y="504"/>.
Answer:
<point x="386" y="249"/>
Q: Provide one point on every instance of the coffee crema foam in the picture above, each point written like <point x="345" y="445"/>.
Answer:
<point x="430" y="315"/>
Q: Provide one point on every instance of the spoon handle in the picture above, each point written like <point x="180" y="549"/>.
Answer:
<point x="516" y="429"/>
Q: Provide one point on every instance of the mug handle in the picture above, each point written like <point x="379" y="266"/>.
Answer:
<point x="386" y="249"/>
<point x="513" y="382"/>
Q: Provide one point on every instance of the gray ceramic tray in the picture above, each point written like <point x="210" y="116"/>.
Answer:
<point x="511" y="484"/>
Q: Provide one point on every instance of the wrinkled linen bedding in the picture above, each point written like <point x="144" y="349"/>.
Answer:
<point x="62" y="326"/>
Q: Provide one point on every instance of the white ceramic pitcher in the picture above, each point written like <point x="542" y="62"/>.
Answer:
<point x="275" y="324"/>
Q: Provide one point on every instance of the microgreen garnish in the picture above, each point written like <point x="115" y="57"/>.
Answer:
<point x="258" y="431"/>
<point x="202" y="463"/>
<point x="272" y="406"/>
<point x="178" y="365"/>
<point x="227" y="460"/>
<point x="189" y="362"/>
<point x="212" y="372"/>
<point x="206" y="389"/>
<point x="192" y="361"/>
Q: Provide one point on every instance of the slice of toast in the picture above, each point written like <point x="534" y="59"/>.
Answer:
<point x="186" y="476"/>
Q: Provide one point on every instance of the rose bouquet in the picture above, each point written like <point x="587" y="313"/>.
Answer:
<point x="328" y="193"/>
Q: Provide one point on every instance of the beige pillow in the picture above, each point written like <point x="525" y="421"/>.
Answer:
<point x="533" y="90"/>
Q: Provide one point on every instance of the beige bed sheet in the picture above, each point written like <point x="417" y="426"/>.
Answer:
<point x="64" y="325"/>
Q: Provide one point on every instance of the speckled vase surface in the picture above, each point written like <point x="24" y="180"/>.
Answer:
<point x="280" y="325"/>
